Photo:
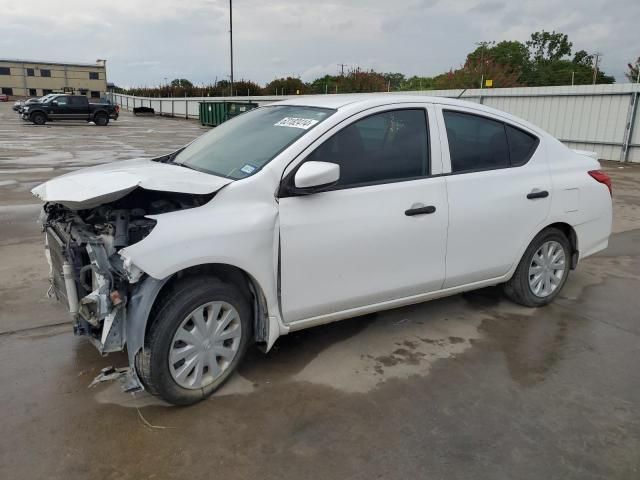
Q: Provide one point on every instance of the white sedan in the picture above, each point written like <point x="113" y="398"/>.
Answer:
<point x="308" y="211"/>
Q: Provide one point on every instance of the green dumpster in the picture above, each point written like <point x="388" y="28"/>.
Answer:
<point x="214" y="113"/>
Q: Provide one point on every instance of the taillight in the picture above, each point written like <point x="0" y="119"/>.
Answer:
<point x="117" y="108"/>
<point x="602" y="177"/>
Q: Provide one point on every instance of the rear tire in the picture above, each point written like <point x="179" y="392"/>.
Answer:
<point x="185" y="378"/>
<point x="542" y="271"/>
<point x="101" y="119"/>
<point x="38" y="118"/>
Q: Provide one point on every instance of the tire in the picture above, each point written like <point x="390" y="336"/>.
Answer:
<point x="38" y="118"/>
<point x="520" y="288"/>
<point x="154" y="364"/>
<point x="101" y="119"/>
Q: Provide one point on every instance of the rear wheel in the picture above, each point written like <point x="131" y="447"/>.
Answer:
<point x="198" y="337"/>
<point x="542" y="271"/>
<point x="101" y="119"/>
<point x="38" y="118"/>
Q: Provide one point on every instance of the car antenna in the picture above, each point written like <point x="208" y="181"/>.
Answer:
<point x="461" y="93"/>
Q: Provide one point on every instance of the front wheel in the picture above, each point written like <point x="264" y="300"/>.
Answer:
<point x="542" y="271"/>
<point x="198" y="337"/>
<point x="38" y="118"/>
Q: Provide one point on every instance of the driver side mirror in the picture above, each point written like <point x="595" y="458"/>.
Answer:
<point x="54" y="102"/>
<point x="313" y="176"/>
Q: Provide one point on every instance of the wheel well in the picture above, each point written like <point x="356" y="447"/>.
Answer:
<point x="571" y="235"/>
<point x="226" y="273"/>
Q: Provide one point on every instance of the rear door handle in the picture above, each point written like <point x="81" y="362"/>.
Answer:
<point x="420" y="211"/>
<point x="539" y="194"/>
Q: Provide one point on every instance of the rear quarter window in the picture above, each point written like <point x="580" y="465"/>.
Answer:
<point x="521" y="145"/>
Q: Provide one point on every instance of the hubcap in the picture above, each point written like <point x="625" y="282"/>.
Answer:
<point x="204" y="345"/>
<point x="547" y="269"/>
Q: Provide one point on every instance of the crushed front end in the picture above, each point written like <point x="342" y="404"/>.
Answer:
<point x="93" y="278"/>
<point x="88" y="275"/>
<point x="86" y="272"/>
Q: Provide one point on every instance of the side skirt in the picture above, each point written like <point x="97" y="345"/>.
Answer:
<point x="390" y="304"/>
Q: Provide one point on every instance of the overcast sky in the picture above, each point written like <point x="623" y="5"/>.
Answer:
<point x="145" y="41"/>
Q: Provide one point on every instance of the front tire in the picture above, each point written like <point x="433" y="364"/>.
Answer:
<point x="198" y="337"/>
<point x="38" y="118"/>
<point x="542" y="271"/>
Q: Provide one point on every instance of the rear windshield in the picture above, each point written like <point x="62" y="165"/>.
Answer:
<point x="242" y="146"/>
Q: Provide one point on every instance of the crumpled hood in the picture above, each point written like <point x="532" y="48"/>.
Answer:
<point x="93" y="186"/>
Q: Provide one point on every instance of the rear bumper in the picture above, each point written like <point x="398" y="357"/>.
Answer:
<point x="593" y="236"/>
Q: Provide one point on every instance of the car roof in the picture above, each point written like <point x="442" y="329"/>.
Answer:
<point x="337" y="101"/>
<point x="363" y="101"/>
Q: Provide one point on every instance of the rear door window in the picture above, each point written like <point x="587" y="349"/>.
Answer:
<point x="78" y="101"/>
<point x="475" y="143"/>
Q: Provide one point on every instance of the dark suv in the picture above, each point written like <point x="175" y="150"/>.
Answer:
<point x="69" y="107"/>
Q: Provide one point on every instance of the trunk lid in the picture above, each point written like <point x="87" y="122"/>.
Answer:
<point x="586" y="153"/>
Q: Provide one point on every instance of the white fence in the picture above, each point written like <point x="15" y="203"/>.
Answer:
<point x="602" y="118"/>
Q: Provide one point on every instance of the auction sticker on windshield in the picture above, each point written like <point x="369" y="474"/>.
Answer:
<point x="293" y="122"/>
<point x="248" y="169"/>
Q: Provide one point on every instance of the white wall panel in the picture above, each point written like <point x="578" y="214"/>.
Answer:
<point x="586" y="117"/>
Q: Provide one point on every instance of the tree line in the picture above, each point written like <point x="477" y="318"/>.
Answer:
<point x="546" y="59"/>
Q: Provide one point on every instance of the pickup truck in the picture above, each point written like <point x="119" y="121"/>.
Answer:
<point x="69" y="107"/>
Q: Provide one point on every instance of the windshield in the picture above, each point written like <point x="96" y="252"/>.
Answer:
<point x="242" y="146"/>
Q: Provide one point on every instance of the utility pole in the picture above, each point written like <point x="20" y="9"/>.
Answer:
<point x="342" y="65"/>
<point x="231" y="41"/>
<point x="483" y="45"/>
<point x="595" y="66"/>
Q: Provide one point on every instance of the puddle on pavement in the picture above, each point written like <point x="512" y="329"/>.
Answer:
<point x="400" y="344"/>
<point x="532" y="347"/>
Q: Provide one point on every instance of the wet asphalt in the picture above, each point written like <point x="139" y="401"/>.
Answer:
<point x="467" y="387"/>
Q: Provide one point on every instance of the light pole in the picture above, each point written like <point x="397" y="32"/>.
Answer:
<point x="595" y="66"/>
<point x="231" y="41"/>
<point x="483" y="45"/>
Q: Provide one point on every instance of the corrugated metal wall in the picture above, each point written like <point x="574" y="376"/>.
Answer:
<point x="602" y="118"/>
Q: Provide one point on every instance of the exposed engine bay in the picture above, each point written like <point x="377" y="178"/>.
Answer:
<point x="86" y="270"/>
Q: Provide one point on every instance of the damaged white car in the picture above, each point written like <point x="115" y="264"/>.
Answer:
<point x="309" y="211"/>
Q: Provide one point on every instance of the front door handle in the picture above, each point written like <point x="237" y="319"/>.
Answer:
<point x="538" y="194"/>
<point x="420" y="211"/>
